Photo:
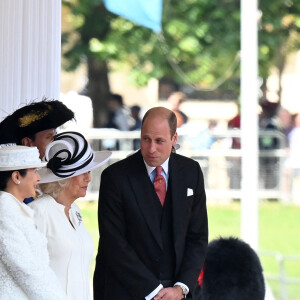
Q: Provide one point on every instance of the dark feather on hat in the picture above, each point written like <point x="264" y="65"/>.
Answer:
<point x="32" y="118"/>
<point x="232" y="271"/>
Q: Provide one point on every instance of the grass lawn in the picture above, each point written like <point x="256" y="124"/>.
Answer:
<point x="279" y="229"/>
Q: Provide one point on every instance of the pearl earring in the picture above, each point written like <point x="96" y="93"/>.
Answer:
<point x="18" y="182"/>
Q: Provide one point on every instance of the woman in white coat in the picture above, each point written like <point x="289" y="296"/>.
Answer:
<point x="66" y="178"/>
<point x="24" y="260"/>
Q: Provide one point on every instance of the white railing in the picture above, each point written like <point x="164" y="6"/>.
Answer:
<point x="281" y="276"/>
<point x="221" y="165"/>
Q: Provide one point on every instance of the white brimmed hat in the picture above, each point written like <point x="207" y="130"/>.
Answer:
<point x="69" y="155"/>
<point x="14" y="157"/>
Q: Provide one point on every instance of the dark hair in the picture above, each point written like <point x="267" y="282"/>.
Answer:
<point x="6" y="175"/>
<point x="136" y="108"/>
<point x="117" y="98"/>
<point x="32" y="137"/>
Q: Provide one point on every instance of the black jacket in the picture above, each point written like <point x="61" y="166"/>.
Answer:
<point x="130" y="241"/>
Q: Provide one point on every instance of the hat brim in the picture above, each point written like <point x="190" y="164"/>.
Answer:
<point x="15" y="168"/>
<point x="100" y="158"/>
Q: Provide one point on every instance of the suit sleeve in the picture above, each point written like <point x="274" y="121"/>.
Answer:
<point x="196" y="237"/>
<point x="120" y="258"/>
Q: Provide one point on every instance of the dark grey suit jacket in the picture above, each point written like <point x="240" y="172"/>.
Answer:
<point x="127" y="264"/>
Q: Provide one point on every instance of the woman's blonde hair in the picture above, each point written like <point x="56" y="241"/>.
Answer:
<point x="54" y="188"/>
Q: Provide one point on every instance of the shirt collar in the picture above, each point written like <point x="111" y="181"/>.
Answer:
<point x="165" y="167"/>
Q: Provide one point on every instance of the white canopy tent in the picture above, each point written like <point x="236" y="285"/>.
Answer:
<point x="30" y="52"/>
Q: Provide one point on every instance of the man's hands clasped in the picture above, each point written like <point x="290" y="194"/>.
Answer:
<point x="171" y="293"/>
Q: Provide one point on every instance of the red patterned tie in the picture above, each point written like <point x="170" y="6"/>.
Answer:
<point x="160" y="185"/>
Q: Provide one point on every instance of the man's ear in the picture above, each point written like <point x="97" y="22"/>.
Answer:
<point x="174" y="139"/>
<point x="26" y="141"/>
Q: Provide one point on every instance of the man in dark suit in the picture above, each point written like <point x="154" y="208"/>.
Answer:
<point x="151" y="248"/>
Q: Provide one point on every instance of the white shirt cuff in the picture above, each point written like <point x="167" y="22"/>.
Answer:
<point x="182" y="284"/>
<point x="152" y="294"/>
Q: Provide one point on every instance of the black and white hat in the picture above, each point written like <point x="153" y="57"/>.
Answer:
<point x="69" y="155"/>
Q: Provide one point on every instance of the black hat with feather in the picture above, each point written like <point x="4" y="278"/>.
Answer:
<point x="33" y="118"/>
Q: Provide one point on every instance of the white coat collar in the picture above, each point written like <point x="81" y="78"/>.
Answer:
<point x="14" y="201"/>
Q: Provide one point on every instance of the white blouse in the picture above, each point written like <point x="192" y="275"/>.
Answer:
<point x="24" y="261"/>
<point x="70" y="246"/>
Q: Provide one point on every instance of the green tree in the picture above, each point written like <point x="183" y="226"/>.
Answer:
<point x="279" y="36"/>
<point x="200" y="37"/>
<point x="194" y="40"/>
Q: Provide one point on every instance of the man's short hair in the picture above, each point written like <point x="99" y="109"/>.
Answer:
<point x="169" y="116"/>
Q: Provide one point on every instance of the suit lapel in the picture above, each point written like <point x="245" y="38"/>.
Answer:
<point x="139" y="180"/>
<point x="178" y="193"/>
